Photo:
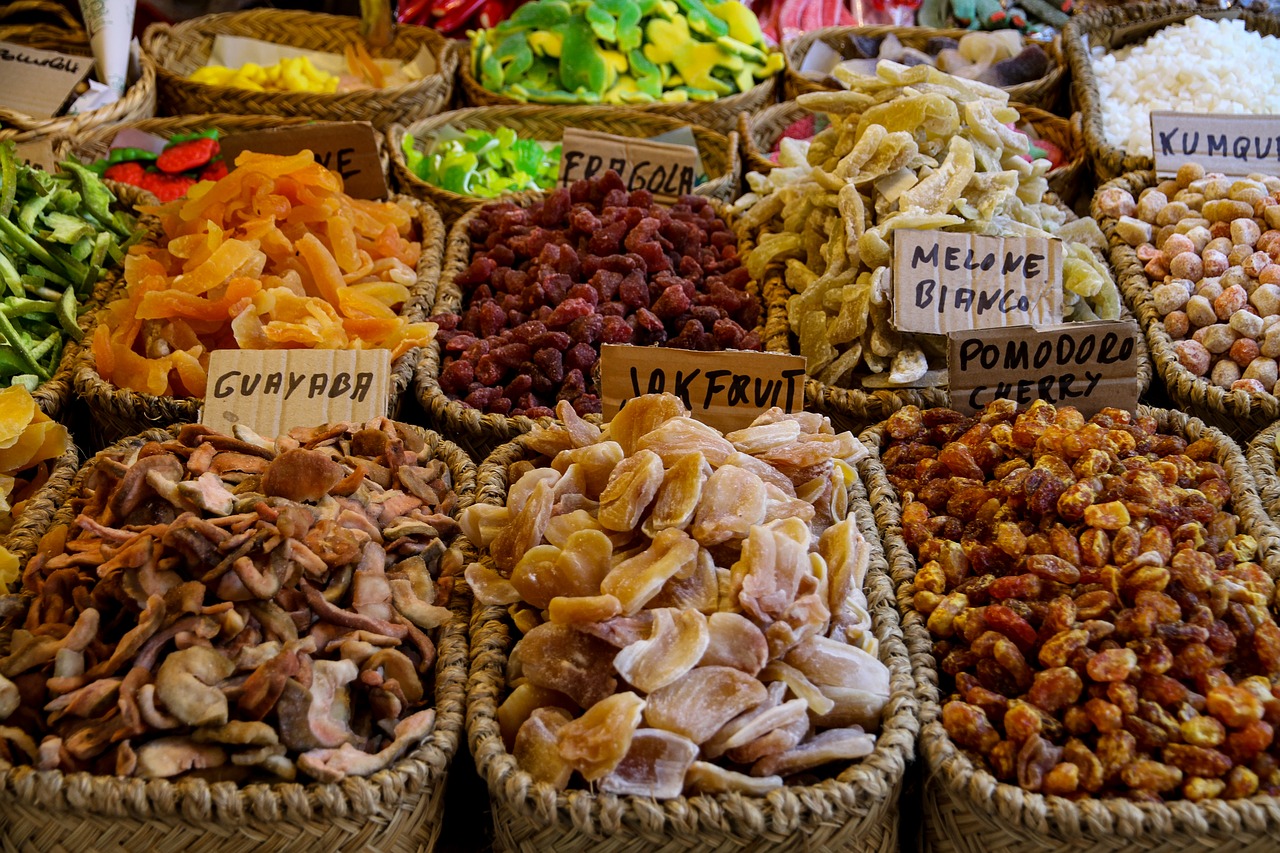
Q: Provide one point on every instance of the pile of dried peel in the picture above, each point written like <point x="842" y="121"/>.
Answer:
<point x="273" y="256"/>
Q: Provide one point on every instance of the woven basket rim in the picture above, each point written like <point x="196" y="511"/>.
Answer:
<point x="1264" y="462"/>
<point x="598" y="815"/>
<point x="1111" y="160"/>
<point x="1041" y="89"/>
<point x="98" y="392"/>
<point x="1196" y="392"/>
<point x="456" y="415"/>
<point x="707" y="139"/>
<point x="1055" y="822"/>
<point x="24" y="537"/>
<point x="138" y="101"/>
<point x="287" y="802"/>
<point x="101" y="137"/>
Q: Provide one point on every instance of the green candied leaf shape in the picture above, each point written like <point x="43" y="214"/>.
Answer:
<point x="514" y="55"/>
<point x="743" y="24"/>
<point x="528" y="156"/>
<point x="582" y="64"/>
<point x="82" y="248"/>
<point x="31" y="208"/>
<point x="457" y="173"/>
<point x="627" y="15"/>
<point x="538" y="15"/>
<point x="414" y="159"/>
<point x="603" y="24"/>
<point x="64" y="228"/>
<point x="553" y="96"/>
<point x="65" y="201"/>
<point x="647" y="75"/>
<point x="701" y="20"/>
<point x="740" y="48"/>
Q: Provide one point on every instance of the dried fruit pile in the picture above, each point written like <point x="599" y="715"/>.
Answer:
<point x="906" y="148"/>
<point x="691" y="604"/>
<point x="1211" y="249"/>
<point x="236" y="603"/>
<point x="273" y="256"/>
<point x="1097" y="614"/>
<point x="586" y="265"/>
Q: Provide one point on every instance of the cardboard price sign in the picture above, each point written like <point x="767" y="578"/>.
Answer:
<point x="664" y="169"/>
<point x="726" y="390"/>
<point x="1230" y="144"/>
<point x="272" y="391"/>
<point x="349" y="148"/>
<point x="1087" y="365"/>
<point x="38" y="82"/>
<point x="944" y="282"/>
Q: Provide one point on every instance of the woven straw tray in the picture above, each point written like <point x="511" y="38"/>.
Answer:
<point x="479" y="431"/>
<point x="759" y="134"/>
<point x="180" y="49"/>
<point x="1114" y="27"/>
<point x="1238" y="413"/>
<point x="118" y="412"/>
<point x="36" y="515"/>
<point x="720" y="115"/>
<point x="547" y="124"/>
<point x="398" y="809"/>
<point x="1041" y="93"/>
<point x="967" y="810"/>
<point x="856" y="810"/>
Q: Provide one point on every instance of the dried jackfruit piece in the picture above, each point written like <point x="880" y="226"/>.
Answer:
<point x="596" y="742"/>
<point x="654" y="766"/>
<point x="831" y="745"/>
<point x="676" y="641"/>
<point x="681" y="436"/>
<point x="570" y="662"/>
<point x="696" y="587"/>
<point x="639" y="578"/>
<point x="522" y="702"/>
<point x="707" y="778"/>
<point x="643" y="415"/>
<point x="699" y="703"/>
<point x="525" y="529"/>
<point x="734" y="640"/>
<point x="537" y="750"/>
<point x="863" y="681"/>
<point x="679" y="494"/>
<point x="631" y="487"/>
<point x="597" y="461"/>
<point x="733" y="499"/>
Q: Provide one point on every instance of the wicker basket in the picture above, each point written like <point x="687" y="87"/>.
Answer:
<point x="720" y="115"/>
<point x="138" y="101"/>
<point x="1041" y="93"/>
<point x="858" y="810"/>
<point x="719" y="154"/>
<point x="1113" y="27"/>
<point x="119" y="411"/>
<point x="967" y="809"/>
<point x="1264" y="463"/>
<point x="1238" y="413"/>
<point x="38" y="511"/>
<point x="398" y="809"/>
<point x="43" y="24"/>
<point x="759" y="134"/>
<point x="480" y="432"/>
<point x="179" y="50"/>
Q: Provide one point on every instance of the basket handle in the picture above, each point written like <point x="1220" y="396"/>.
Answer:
<point x="42" y="7"/>
<point x="154" y="40"/>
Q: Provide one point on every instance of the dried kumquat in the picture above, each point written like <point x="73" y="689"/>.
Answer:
<point x="272" y="256"/>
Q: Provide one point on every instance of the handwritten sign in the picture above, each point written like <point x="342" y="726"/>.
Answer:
<point x="666" y="170"/>
<point x="1230" y="144"/>
<point x="272" y="391"/>
<point x="1086" y="365"/>
<point x="944" y="282"/>
<point x="349" y="148"/>
<point x="726" y="390"/>
<point x="38" y="82"/>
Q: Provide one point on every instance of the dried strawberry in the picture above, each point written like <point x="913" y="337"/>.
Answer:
<point x="215" y="171"/>
<point x="126" y="173"/>
<point x="184" y="156"/>
<point x="166" y="187"/>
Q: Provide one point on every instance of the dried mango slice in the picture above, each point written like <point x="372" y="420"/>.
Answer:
<point x="22" y="453"/>
<point x="17" y="408"/>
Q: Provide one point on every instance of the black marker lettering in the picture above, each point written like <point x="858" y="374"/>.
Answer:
<point x="713" y="385"/>
<point x="221" y="390"/>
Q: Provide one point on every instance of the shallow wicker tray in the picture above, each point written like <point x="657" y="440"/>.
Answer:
<point x="399" y="809"/>
<point x="967" y="809"/>
<point x="1041" y="93"/>
<point x="478" y="431"/>
<point x="29" y="525"/>
<point x="1238" y="413"/>
<point x="761" y="131"/>
<point x="179" y="50"/>
<point x="857" y="811"/>
<point x="1114" y="27"/>
<point x="720" y="115"/>
<point x="1264" y="463"/>
<point x="547" y="123"/>
<point x="138" y="101"/>
<point x="119" y="412"/>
